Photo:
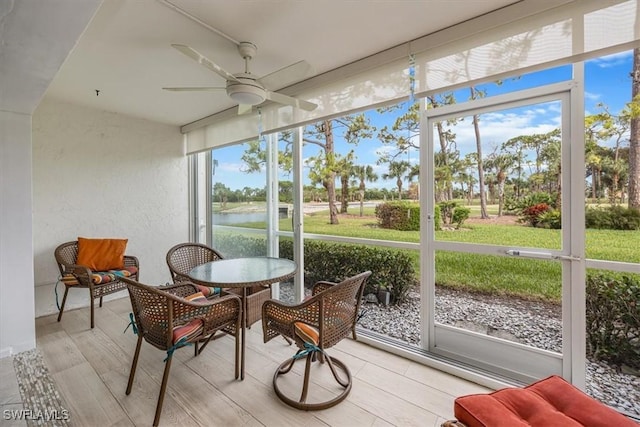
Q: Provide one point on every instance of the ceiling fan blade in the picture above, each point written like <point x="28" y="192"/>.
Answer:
<point x="288" y="100"/>
<point x="287" y="75"/>
<point x="204" y="61"/>
<point x="244" y="109"/>
<point x="193" y="89"/>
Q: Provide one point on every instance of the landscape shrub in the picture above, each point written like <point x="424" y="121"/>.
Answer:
<point x="531" y="215"/>
<point x="437" y="218"/>
<point x="236" y="245"/>
<point x="446" y="210"/>
<point x="518" y="205"/>
<point x="401" y="215"/>
<point x="460" y="215"/>
<point x="392" y="269"/>
<point x="612" y="218"/>
<point x="551" y="219"/>
<point x="613" y="319"/>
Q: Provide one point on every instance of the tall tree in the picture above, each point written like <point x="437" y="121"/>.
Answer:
<point x="402" y="134"/>
<point x="634" y="140"/>
<point x="397" y="170"/>
<point x="324" y="167"/>
<point x="447" y="139"/>
<point x="606" y="127"/>
<point x="344" y="166"/>
<point x="594" y="132"/>
<point x="476" y="128"/>
<point x="501" y="163"/>
<point x="551" y="154"/>
<point x="517" y="147"/>
<point x="364" y="174"/>
<point x="221" y="192"/>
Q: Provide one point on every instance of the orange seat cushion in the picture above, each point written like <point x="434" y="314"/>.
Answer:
<point x="101" y="254"/>
<point x="551" y="402"/>
<point x="307" y="333"/>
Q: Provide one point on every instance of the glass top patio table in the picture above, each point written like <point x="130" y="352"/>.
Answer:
<point x="242" y="272"/>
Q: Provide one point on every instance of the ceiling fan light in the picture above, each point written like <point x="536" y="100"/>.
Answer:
<point x="246" y="94"/>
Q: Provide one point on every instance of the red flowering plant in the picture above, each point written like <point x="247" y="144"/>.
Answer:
<point x="531" y="215"/>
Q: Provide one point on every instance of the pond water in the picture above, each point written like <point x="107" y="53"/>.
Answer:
<point x="238" y="218"/>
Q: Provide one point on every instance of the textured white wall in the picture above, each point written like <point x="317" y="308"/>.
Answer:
<point x="17" y="327"/>
<point x="101" y="174"/>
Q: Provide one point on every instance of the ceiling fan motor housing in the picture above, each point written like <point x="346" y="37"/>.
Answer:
<point x="247" y="50"/>
<point x="246" y="90"/>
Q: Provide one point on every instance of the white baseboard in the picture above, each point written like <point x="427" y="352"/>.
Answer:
<point x="17" y="348"/>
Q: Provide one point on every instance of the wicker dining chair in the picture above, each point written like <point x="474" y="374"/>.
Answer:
<point x="173" y="316"/>
<point x="315" y="325"/>
<point x="99" y="283"/>
<point x="183" y="257"/>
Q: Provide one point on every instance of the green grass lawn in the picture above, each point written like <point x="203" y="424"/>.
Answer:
<point x="530" y="278"/>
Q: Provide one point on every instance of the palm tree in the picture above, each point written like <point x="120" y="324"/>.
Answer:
<point x="397" y="170"/>
<point x="364" y="173"/>
<point x="502" y="164"/>
<point x="634" y="137"/>
<point x="476" y="128"/>
<point x="345" y="169"/>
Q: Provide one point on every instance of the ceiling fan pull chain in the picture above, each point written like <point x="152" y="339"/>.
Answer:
<point x="260" y="129"/>
<point x="412" y="78"/>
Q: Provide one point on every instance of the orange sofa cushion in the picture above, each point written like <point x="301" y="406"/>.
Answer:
<point x="101" y="254"/>
<point x="551" y="402"/>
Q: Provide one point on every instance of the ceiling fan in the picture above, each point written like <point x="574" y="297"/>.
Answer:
<point x="245" y="88"/>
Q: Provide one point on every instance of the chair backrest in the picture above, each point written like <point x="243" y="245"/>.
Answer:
<point x="66" y="254"/>
<point x="182" y="258"/>
<point x="339" y="307"/>
<point x="151" y="312"/>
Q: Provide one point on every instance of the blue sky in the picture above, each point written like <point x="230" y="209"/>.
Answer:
<point x="607" y="81"/>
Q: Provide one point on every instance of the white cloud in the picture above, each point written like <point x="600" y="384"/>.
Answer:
<point x="592" y="96"/>
<point x="613" y="60"/>
<point x="498" y="127"/>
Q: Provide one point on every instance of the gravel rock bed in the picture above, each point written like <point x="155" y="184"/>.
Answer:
<point x="536" y="324"/>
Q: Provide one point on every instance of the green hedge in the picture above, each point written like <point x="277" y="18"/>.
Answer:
<point x="612" y="301"/>
<point x="391" y="269"/>
<point x="233" y="245"/>
<point x="613" y="218"/>
<point x="613" y="319"/>
<point x="403" y="216"/>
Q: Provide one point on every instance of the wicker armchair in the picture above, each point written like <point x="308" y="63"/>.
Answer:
<point x="182" y="258"/>
<point x="315" y="325"/>
<point x="80" y="276"/>
<point x="174" y="316"/>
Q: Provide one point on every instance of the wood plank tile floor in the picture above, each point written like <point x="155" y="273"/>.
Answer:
<point x="91" y="366"/>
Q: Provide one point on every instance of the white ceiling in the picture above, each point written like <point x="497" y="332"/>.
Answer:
<point x="125" y="52"/>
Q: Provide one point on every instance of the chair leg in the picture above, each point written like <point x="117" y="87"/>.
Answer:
<point x="237" y="338"/>
<point x="342" y="382"/>
<point x="134" y="365"/>
<point x="64" y="300"/>
<point x="199" y="349"/>
<point x="91" y="303"/>
<point x="100" y="302"/>
<point x="92" y="321"/>
<point x="305" y="384"/>
<point x="163" y="388"/>
<point x="333" y="363"/>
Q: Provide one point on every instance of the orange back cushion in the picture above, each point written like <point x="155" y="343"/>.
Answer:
<point x="101" y="254"/>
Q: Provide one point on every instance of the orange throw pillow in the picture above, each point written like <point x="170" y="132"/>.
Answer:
<point x="101" y="254"/>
